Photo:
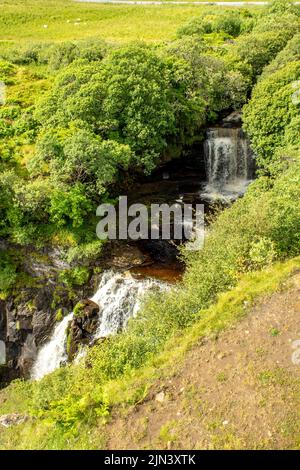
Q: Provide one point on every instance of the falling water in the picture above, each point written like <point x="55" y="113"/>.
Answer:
<point x="229" y="163"/>
<point x="53" y="353"/>
<point x="118" y="296"/>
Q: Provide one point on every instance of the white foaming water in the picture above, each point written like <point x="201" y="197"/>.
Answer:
<point x="118" y="296"/>
<point x="53" y="353"/>
<point x="229" y="164"/>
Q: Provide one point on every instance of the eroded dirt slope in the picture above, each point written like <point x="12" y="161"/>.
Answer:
<point x="240" y="390"/>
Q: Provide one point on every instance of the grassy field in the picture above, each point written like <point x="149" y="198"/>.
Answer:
<point x="40" y="20"/>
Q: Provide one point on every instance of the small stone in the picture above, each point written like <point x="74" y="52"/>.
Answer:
<point x="160" y="397"/>
<point x="11" y="419"/>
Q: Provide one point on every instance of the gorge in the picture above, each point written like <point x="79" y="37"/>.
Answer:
<point x="220" y="173"/>
<point x="229" y="168"/>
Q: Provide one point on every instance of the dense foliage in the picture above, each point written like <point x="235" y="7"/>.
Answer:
<point x="271" y="117"/>
<point x="81" y="115"/>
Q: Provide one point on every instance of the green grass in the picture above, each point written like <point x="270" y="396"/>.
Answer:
<point x="24" y="20"/>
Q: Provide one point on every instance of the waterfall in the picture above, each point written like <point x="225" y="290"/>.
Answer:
<point x="53" y="353"/>
<point x="229" y="163"/>
<point x="118" y="296"/>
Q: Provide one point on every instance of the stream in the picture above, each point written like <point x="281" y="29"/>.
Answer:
<point x="219" y="172"/>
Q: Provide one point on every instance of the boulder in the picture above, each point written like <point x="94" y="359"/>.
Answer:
<point x="83" y="326"/>
<point x="12" y="419"/>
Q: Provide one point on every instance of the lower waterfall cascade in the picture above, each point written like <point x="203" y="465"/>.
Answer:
<point x="119" y="297"/>
<point x="53" y="353"/>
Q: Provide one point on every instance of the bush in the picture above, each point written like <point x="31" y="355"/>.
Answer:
<point x="69" y="205"/>
<point x="7" y="72"/>
<point x="262" y="253"/>
<point x="61" y="55"/>
<point x="256" y="50"/>
<point x="283" y="6"/>
<point x="77" y="276"/>
<point x="85" y="251"/>
<point x="271" y="114"/>
<point x="8" y="273"/>
<point x="232" y="23"/>
<point x="29" y="54"/>
<point x="291" y="53"/>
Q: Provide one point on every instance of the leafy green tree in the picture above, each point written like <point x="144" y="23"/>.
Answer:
<point x="253" y="51"/>
<point x="78" y="155"/>
<point x="291" y="53"/>
<point x="209" y="77"/>
<point x="272" y="112"/>
<point x="133" y="97"/>
<point x="69" y="205"/>
<point x="232" y="23"/>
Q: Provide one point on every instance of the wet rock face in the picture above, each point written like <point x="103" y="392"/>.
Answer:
<point x="232" y="120"/>
<point x="83" y="326"/>
<point x="125" y="256"/>
<point x="27" y="316"/>
<point x="25" y="323"/>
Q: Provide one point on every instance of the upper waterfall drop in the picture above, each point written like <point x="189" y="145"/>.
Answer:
<point x="229" y="163"/>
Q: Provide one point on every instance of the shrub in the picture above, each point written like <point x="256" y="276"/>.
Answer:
<point x="231" y="23"/>
<point x="8" y="273"/>
<point x="69" y="205"/>
<point x="7" y="72"/>
<point x="61" y="55"/>
<point x="35" y="53"/>
<point x="291" y="53"/>
<point x="271" y="114"/>
<point x="77" y="276"/>
<point x="85" y="251"/>
<point x="262" y="253"/>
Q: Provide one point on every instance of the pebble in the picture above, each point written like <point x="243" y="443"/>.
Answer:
<point x="160" y="397"/>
